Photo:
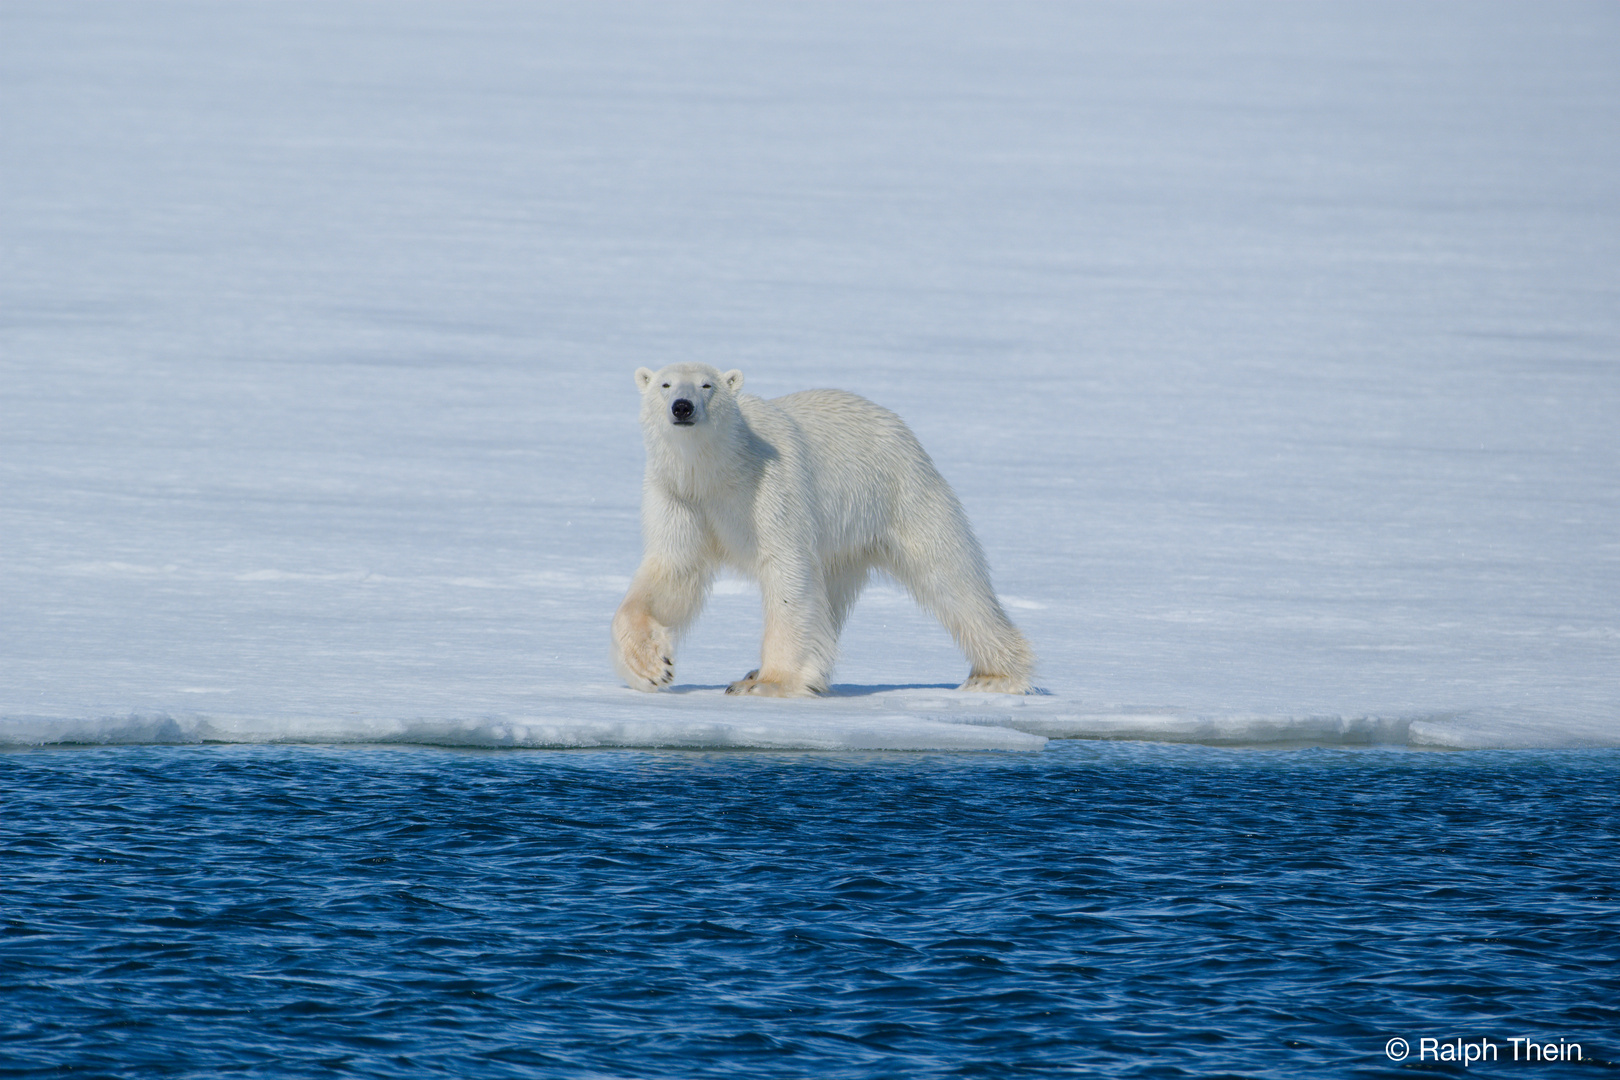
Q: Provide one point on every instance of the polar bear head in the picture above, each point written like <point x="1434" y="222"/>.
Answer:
<point x="686" y="397"/>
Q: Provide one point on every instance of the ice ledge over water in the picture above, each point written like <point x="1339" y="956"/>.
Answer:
<point x="691" y="718"/>
<point x="855" y="718"/>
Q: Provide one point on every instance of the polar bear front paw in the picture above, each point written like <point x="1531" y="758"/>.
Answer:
<point x="751" y="683"/>
<point x="747" y="684"/>
<point x="643" y="651"/>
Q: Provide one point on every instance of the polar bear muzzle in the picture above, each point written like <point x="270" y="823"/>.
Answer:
<point x="682" y="410"/>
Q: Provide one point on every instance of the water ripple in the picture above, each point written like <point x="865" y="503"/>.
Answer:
<point x="1127" y="909"/>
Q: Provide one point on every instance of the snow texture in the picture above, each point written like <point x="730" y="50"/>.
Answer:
<point x="1273" y="351"/>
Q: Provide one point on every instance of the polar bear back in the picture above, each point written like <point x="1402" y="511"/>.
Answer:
<point x="867" y="471"/>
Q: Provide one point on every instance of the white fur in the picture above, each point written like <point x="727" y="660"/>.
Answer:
<point x="807" y="494"/>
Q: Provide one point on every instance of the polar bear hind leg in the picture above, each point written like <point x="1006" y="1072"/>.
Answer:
<point x="940" y="563"/>
<point x="845" y="580"/>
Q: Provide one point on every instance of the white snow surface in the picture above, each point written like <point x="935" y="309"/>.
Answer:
<point x="1274" y="351"/>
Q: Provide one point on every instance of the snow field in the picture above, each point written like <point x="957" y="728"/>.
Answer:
<point x="1273" y="359"/>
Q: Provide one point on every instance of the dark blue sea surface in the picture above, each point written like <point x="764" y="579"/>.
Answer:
<point x="1097" y="909"/>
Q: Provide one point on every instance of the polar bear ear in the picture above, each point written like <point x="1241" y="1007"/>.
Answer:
<point x="644" y="377"/>
<point x="733" y="380"/>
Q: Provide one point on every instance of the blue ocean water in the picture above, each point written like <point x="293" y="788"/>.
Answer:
<point x="1097" y="909"/>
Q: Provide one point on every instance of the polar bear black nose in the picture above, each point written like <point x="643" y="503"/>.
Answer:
<point x="682" y="409"/>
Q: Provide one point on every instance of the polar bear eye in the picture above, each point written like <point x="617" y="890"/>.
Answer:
<point x="666" y="386"/>
<point x="706" y="386"/>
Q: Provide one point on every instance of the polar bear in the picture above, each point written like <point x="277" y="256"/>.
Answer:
<point x="806" y="494"/>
